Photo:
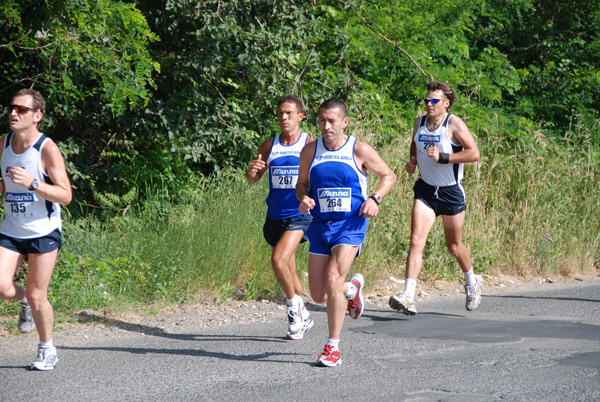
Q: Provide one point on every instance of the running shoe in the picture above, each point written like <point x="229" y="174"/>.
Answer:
<point x="307" y="324"/>
<point x="404" y="304"/>
<point x="473" y="294"/>
<point x="46" y="359"/>
<point x="295" y="322"/>
<point x="356" y="305"/>
<point x="329" y="357"/>
<point x="26" y="323"/>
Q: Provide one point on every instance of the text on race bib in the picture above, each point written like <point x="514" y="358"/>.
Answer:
<point x="18" y="203"/>
<point x="284" y="177"/>
<point x="335" y="199"/>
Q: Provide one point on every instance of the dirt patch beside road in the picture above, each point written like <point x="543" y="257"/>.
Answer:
<point x="88" y="326"/>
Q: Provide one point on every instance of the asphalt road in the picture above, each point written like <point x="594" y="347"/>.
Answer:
<point x="520" y="345"/>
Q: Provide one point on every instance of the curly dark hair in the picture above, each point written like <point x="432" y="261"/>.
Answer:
<point x="445" y="88"/>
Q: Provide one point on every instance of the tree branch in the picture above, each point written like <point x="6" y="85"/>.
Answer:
<point x="301" y="78"/>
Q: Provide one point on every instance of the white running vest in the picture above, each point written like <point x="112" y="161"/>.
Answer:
<point x="430" y="171"/>
<point x="26" y="215"/>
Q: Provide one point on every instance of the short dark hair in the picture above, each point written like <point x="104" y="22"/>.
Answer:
<point x="294" y="99"/>
<point x="335" y="104"/>
<point x="39" y="103"/>
<point x="445" y="88"/>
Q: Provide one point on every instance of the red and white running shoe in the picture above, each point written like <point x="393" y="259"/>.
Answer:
<point x="357" y="304"/>
<point x="330" y="357"/>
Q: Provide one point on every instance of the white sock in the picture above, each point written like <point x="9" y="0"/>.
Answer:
<point x="470" y="279"/>
<point x="47" y="345"/>
<point x="410" y="286"/>
<point x="351" y="290"/>
<point x="289" y="302"/>
<point x="333" y="342"/>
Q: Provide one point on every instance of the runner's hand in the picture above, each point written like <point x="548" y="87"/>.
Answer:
<point x="306" y="204"/>
<point x="257" y="165"/>
<point x="369" y="208"/>
<point x="411" y="165"/>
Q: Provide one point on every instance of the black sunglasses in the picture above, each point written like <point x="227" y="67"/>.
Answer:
<point x="433" y="101"/>
<point x="21" y="109"/>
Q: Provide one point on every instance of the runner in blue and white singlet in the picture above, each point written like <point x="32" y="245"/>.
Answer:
<point x="337" y="185"/>
<point x="27" y="215"/>
<point x="332" y="185"/>
<point x="285" y="226"/>
<point x="283" y="163"/>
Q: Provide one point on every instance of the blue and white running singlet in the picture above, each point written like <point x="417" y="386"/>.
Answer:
<point x="26" y="215"/>
<point x="430" y="171"/>
<point x="283" y="164"/>
<point x="337" y="185"/>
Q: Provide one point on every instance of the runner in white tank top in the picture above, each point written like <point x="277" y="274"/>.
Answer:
<point x="26" y="214"/>
<point x="34" y="180"/>
<point x="441" y="144"/>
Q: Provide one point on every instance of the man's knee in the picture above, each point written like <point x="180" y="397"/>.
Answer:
<point x="317" y="293"/>
<point x="36" y="297"/>
<point x="455" y="249"/>
<point x="5" y="288"/>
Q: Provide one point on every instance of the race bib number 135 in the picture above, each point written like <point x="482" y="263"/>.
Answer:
<point x="17" y="203"/>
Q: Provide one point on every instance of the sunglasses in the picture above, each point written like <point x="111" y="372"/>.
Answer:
<point x="433" y="101"/>
<point x="21" y="109"/>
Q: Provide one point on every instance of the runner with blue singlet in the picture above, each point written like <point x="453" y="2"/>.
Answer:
<point x="332" y="185"/>
<point x="285" y="226"/>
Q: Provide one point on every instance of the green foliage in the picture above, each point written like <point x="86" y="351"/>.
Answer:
<point x="156" y="104"/>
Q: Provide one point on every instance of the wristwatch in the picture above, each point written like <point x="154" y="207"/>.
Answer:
<point x="34" y="185"/>
<point x="375" y="197"/>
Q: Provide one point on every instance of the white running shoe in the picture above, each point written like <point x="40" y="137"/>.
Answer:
<point x="295" y="322"/>
<point x="473" y="294"/>
<point x="46" y="359"/>
<point x="307" y="324"/>
<point x="356" y="305"/>
<point x="26" y="323"/>
<point x="403" y="303"/>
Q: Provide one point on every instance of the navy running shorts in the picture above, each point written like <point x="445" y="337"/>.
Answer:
<point x="38" y="245"/>
<point x="273" y="228"/>
<point x="446" y="200"/>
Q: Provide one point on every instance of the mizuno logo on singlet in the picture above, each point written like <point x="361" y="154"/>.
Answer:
<point x="429" y="138"/>
<point x="19" y="197"/>
<point x="326" y="193"/>
<point x="289" y="171"/>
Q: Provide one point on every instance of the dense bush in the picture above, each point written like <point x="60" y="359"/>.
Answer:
<point x="146" y="96"/>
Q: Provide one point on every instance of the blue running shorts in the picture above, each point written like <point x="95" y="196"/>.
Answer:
<point x="323" y="237"/>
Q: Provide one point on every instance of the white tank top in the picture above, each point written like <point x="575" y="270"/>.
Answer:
<point x="430" y="171"/>
<point x="27" y="215"/>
